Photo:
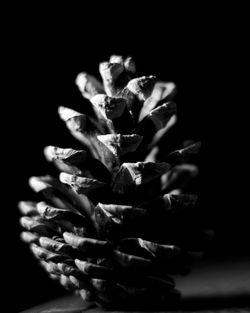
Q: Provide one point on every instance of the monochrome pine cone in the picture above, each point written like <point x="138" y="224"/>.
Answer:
<point x="116" y="227"/>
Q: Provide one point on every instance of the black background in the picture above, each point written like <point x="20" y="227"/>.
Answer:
<point x="42" y="63"/>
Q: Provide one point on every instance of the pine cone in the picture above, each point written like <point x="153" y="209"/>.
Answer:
<point x="115" y="227"/>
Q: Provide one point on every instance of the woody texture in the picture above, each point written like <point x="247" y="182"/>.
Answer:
<point x="117" y="226"/>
